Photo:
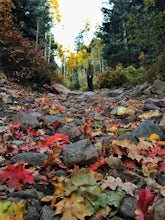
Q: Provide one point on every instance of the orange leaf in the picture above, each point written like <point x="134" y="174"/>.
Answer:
<point x="161" y="143"/>
<point x="98" y="164"/>
<point x="129" y="163"/>
<point x="117" y="150"/>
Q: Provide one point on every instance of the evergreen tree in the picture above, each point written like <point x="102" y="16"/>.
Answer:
<point x="133" y="31"/>
<point x="32" y="18"/>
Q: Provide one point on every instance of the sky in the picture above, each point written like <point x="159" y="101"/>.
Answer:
<point x="74" y="15"/>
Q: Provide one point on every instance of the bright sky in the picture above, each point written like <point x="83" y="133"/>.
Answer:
<point x="74" y="14"/>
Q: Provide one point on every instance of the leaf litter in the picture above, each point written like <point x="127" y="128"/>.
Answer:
<point x="91" y="191"/>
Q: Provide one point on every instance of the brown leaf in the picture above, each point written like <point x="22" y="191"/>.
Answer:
<point x="101" y="213"/>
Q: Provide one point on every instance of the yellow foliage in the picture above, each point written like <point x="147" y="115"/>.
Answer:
<point x="12" y="210"/>
<point x="153" y="137"/>
<point x="73" y="207"/>
<point x="54" y="9"/>
<point x="6" y="7"/>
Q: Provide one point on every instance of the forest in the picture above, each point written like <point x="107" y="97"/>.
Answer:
<point x="127" y="49"/>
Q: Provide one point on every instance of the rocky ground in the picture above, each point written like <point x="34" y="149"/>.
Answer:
<point x="119" y="134"/>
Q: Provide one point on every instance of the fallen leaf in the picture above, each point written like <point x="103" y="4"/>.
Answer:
<point x="124" y="111"/>
<point x="162" y="167"/>
<point x="144" y="200"/>
<point x="16" y="175"/>
<point x="59" y="139"/>
<point x="114" y="200"/>
<point x="161" y="143"/>
<point x="101" y="213"/>
<point x="129" y="163"/>
<point x="149" y="114"/>
<point x="12" y="210"/>
<point x="111" y="183"/>
<point x="68" y="120"/>
<point x="72" y="208"/>
<point x="153" y="137"/>
<point x="162" y="190"/>
<point x="114" y="183"/>
<point x="98" y="164"/>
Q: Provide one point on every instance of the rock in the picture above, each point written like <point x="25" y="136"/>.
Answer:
<point x="131" y="137"/>
<point x="150" y="106"/>
<point x="59" y="88"/>
<point x="29" y="157"/>
<point x="158" y="87"/>
<point x="79" y="153"/>
<point x="117" y="218"/>
<point x="33" y="208"/>
<point x="115" y="92"/>
<point x="160" y="103"/>
<point x="160" y="178"/>
<point x="47" y="213"/>
<point x="136" y="92"/>
<point x="72" y="131"/>
<point x="146" y="128"/>
<point x="54" y="120"/>
<point x="159" y="210"/>
<point x="128" y="207"/>
<point x="25" y="120"/>
<point x="25" y="194"/>
<point x="162" y="120"/>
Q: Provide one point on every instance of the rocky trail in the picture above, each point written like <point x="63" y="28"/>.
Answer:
<point x="82" y="155"/>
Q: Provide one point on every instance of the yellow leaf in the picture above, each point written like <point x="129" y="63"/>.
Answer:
<point x="68" y="120"/>
<point x="145" y="170"/>
<point x="149" y="114"/>
<point x="112" y="129"/>
<point x="73" y="207"/>
<point x="153" y="137"/>
<point x="53" y="111"/>
<point x="125" y="111"/>
<point x="12" y="210"/>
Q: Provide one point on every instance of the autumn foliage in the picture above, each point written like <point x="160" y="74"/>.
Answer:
<point x="15" y="176"/>
<point x="6" y="7"/>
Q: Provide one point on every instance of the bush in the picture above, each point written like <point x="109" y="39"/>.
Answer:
<point x="157" y="70"/>
<point x="22" y="62"/>
<point x="115" y="77"/>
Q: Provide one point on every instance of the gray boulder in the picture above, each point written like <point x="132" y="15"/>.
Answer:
<point x="25" y="120"/>
<point x="79" y="153"/>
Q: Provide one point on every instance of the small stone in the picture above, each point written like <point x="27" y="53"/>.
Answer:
<point x="29" y="157"/>
<point x="25" y="120"/>
<point x="159" y="210"/>
<point x="128" y="207"/>
<point x="79" y="153"/>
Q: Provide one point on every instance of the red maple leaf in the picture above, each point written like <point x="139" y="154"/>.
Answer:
<point x="145" y="198"/>
<point x="59" y="139"/>
<point x="31" y="132"/>
<point x="16" y="175"/>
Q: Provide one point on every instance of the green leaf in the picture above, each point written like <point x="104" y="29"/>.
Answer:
<point x="114" y="199"/>
<point x="95" y="201"/>
<point x="69" y="188"/>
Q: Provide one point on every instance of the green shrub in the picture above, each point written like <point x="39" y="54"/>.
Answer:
<point x="157" y="69"/>
<point x="115" y="77"/>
